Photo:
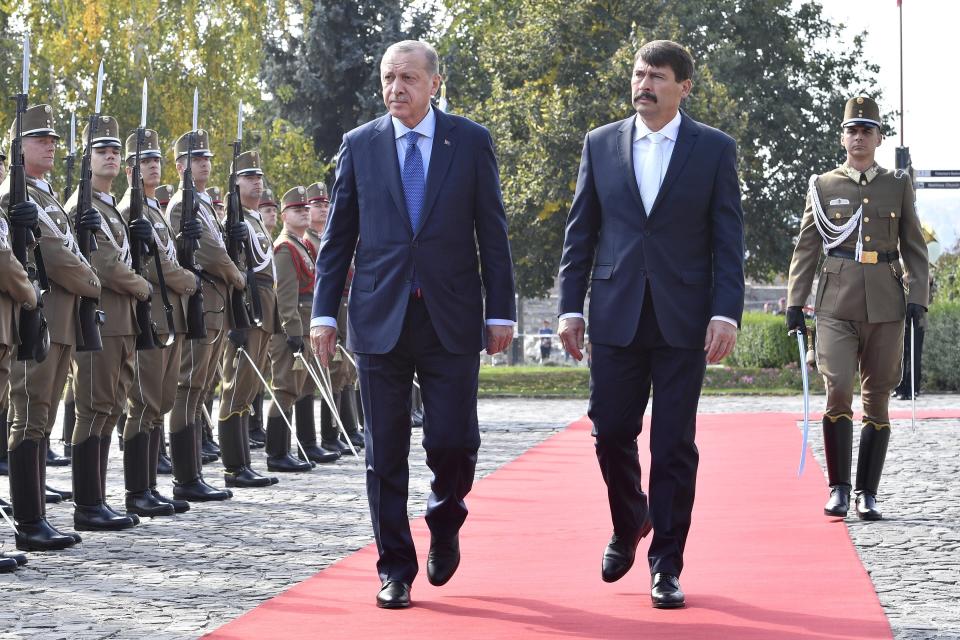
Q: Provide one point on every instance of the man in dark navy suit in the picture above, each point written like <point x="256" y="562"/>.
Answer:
<point x="656" y="230"/>
<point x="417" y="204"/>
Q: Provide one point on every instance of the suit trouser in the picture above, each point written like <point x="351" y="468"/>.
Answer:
<point x="154" y="387"/>
<point x="35" y="390"/>
<point x="101" y="382"/>
<point x="451" y="437"/>
<point x="196" y="359"/>
<point x="620" y="385"/>
<point x="843" y="346"/>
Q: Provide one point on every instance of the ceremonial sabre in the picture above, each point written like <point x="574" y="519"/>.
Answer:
<point x="326" y="393"/>
<point x="801" y="344"/>
<point x="913" y="381"/>
<point x="273" y="399"/>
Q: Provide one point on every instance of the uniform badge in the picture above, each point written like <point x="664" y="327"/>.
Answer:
<point x="839" y="201"/>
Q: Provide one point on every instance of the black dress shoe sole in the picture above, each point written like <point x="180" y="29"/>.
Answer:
<point x="644" y="532"/>
<point x="835" y="514"/>
<point x="8" y="565"/>
<point x="393" y="605"/>
<point x="870" y="517"/>
<point x="20" y="558"/>
<point x="669" y="605"/>
<point x="26" y="545"/>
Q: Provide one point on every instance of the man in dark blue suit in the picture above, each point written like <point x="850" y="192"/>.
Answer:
<point x="417" y="205"/>
<point x="656" y="230"/>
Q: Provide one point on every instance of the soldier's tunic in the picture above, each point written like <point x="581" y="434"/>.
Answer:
<point x="155" y="373"/>
<point x="102" y="378"/>
<point x="860" y="305"/>
<point x="16" y="292"/>
<point x="36" y="388"/>
<point x="295" y="280"/>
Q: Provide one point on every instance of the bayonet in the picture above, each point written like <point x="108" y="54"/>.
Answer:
<point x="143" y="106"/>
<point x="26" y="65"/>
<point x="240" y="122"/>
<point x="196" y="107"/>
<point x="73" y="133"/>
<point x="99" y="89"/>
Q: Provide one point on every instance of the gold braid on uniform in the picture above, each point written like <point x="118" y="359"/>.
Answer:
<point x="867" y="422"/>
<point x="833" y="419"/>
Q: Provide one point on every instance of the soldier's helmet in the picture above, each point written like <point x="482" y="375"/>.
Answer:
<point x="149" y="149"/>
<point x="106" y="134"/>
<point x="317" y="192"/>
<point x="295" y="197"/>
<point x="862" y="111"/>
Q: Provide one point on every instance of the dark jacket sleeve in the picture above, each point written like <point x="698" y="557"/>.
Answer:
<point x="496" y="264"/>
<point x="580" y="239"/>
<point x="726" y="226"/>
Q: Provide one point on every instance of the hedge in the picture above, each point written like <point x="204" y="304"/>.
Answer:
<point x="763" y="343"/>
<point x="941" y="348"/>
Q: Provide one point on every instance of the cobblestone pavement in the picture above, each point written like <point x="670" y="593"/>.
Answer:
<point x="183" y="576"/>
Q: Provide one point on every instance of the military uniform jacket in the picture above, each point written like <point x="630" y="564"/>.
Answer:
<point x="860" y="291"/>
<point x="16" y="290"/>
<point x="179" y="281"/>
<point x="295" y="278"/>
<point x="211" y="257"/>
<point x="262" y="244"/>
<point x="69" y="273"/>
<point x="122" y="287"/>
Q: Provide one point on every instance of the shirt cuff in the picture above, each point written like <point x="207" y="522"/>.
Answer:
<point x="500" y="322"/>
<point x="727" y="320"/>
<point x="564" y="316"/>
<point x="323" y="321"/>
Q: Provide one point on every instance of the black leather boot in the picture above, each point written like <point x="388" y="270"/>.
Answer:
<point x="236" y="473"/>
<point x="874" y="438"/>
<point x="329" y="432"/>
<point x="104" y="461"/>
<point x="188" y="483"/>
<point x="257" y="436"/>
<point x="136" y="477"/>
<point x="69" y="422"/>
<point x="121" y="426"/>
<point x="34" y="533"/>
<point x="278" y="448"/>
<point x="245" y="430"/>
<point x="838" y="447"/>
<point x="53" y="496"/>
<point x="4" y="434"/>
<point x="209" y="447"/>
<point x="156" y="440"/>
<point x="164" y="465"/>
<point x="307" y="433"/>
<point x="350" y="417"/>
<point x="53" y="460"/>
<point x="89" y="511"/>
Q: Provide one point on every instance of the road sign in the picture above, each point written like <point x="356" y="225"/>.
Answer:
<point x="927" y="184"/>
<point x="938" y="173"/>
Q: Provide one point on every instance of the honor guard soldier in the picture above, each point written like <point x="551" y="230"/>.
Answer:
<point x="295" y="280"/>
<point x="216" y="197"/>
<point x="267" y="211"/>
<point x="155" y="372"/>
<point x="199" y="358"/>
<point x="343" y="375"/>
<point x="267" y="207"/>
<point x="102" y="378"/>
<point x="36" y="387"/>
<point x="163" y="193"/>
<point x="240" y="381"/>
<point x="873" y="274"/>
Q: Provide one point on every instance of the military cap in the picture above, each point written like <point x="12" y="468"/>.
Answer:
<point x="164" y="193"/>
<point x="37" y="121"/>
<point x="106" y="135"/>
<point x="215" y="196"/>
<point x="296" y="197"/>
<point x="248" y="163"/>
<point x="201" y="144"/>
<point x="317" y="192"/>
<point x="861" y="110"/>
<point x="267" y="199"/>
<point x="150" y="147"/>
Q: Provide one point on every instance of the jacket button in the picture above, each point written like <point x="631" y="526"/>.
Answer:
<point x="893" y="215"/>
<point x="836" y="215"/>
<point x="866" y="238"/>
<point x="866" y="201"/>
<point x="866" y="219"/>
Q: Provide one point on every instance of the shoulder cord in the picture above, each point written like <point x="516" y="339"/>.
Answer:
<point x="834" y="235"/>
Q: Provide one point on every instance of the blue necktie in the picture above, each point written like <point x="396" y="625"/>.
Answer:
<point x="413" y="179"/>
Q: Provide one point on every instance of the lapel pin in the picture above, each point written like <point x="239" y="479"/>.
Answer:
<point x="446" y="142"/>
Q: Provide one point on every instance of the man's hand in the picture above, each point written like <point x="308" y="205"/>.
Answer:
<point x="192" y="229"/>
<point x="571" y="336"/>
<point x="915" y="313"/>
<point x="499" y="337"/>
<point x="238" y="232"/>
<point x="295" y="343"/>
<point x="142" y="231"/>
<point x="238" y="337"/>
<point x="24" y="215"/>
<point x="796" y="320"/>
<point x="323" y="339"/>
<point x="90" y="220"/>
<point x="721" y="339"/>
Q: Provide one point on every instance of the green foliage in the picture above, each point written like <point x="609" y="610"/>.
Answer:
<point x="763" y="342"/>
<point x="941" y="348"/>
<point x="946" y="275"/>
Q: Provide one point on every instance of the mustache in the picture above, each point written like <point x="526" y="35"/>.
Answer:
<point x="645" y="94"/>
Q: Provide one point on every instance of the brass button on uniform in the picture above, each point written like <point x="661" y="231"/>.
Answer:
<point x="893" y="215"/>
<point x="866" y="238"/>
<point x="836" y="215"/>
<point x="866" y="219"/>
<point x="866" y="200"/>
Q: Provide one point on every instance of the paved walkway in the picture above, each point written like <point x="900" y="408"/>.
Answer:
<point x="180" y="577"/>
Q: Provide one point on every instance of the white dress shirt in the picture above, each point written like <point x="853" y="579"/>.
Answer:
<point x="426" y="128"/>
<point x="641" y="147"/>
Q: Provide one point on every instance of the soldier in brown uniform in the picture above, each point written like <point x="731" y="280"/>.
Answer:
<point x="102" y="378"/>
<point x="295" y="280"/>
<point x="216" y="198"/>
<point x="873" y="275"/>
<point x="163" y="193"/>
<point x="36" y="387"/>
<point x="267" y="207"/>
<point x="240" y="381"/>
<point x="343" y="375"/>
<point x="155" y="371"/>
<point x="198" y="360"/>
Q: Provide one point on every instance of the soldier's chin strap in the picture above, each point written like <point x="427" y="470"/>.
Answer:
<point x="834" y="235"/>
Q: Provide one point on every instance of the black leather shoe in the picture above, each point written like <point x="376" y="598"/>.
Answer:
<point x="286" y="464"/>
<point x="40" y="536"/>
<point x="99" y="518"/>
<point x="245" y="477"/>
<point x="258" y="438"/>
<point x="209" y="451"/>
<point x="8" y="565"/>
<point x="144" y="503"/>
<point x="867" y="507"/>
<point x="344" y="447"/>
<point x="179" y="506"/>
<point x="665" y="592"/>
<point x="53" y="460"/>
<point x="320" y="454"/>
<point x="338" y="445"/>
<point x="198" y="491"/>
<point x="839" y="502"/>
<point x="19" y="558"/>
<point x="443" y="559"/>
<point x="164" y="466"/>
<point x="620" y="554"/>
<point x="357" y="440"/>
<point x="394" y="595"/>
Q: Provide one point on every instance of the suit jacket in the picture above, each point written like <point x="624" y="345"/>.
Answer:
<point x="460" y="251"/>
<point x="688" y="251"/>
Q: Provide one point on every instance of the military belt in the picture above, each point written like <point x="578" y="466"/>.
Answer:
<point x="868" y="257"/>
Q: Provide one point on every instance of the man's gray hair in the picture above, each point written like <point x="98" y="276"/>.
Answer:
<point x="413" y="46"/>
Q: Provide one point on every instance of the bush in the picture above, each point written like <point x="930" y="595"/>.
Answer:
<point x="763" y="343"/>
<point x="946" y="275"/>
<point x="941" y="348"/>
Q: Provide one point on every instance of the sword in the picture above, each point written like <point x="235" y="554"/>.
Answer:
<point x="801" y="345"/>
<point x="913" y="381"/>
<point x="9" y="521"/>
<point x="325" y="386"/>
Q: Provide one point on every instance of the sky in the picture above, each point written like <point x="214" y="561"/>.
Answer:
<point x="931" y="48"/>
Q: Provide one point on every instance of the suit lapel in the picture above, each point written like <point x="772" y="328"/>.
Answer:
<point x="625" y="149"/>
<point x="686" y="138"/>
<point x="440" y="157"/>
<point x="385" y="150"/>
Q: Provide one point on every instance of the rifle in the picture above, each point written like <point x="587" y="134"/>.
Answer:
<point x="71" y="158"/>
<point x="196" y="329"/>
<point x="89" y="318"/>
<point x="245" y="304"/>
<point x="147" y="337"/>
<point x="33" y="333"/>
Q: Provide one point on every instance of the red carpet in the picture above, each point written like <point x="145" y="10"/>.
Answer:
<point x="761" y="562"/>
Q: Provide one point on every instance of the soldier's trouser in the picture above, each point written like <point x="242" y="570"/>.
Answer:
<point x="101" y="382"/>
<point x="843" y="346"/>
<point x="196" y="358"/>
<point x="35" y="390"/>
<point x="214" y="374"/>
<point x="154" y="387"/>
<point x="240" y="382"/>
<point x="343" y="374"/>
<point x="289" y="375"/>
